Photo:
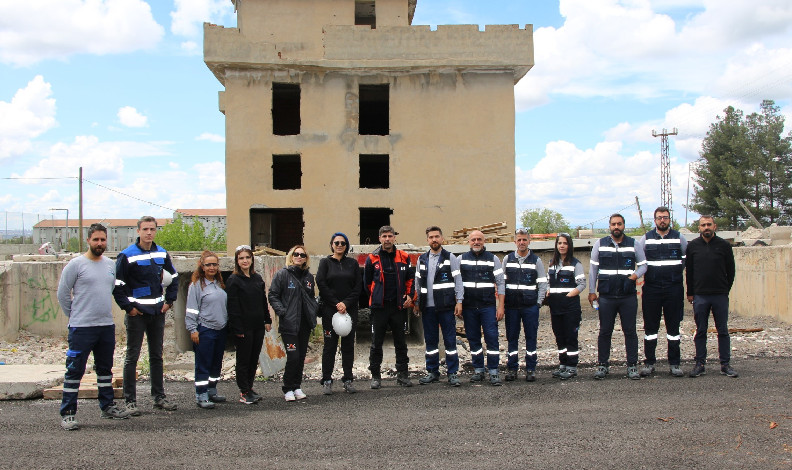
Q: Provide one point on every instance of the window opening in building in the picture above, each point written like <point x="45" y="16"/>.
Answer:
<point x="366" y="14"/>
<point x="374" y="172"/>
<point x="371" y="219"/>
<point x="276" y="228"/>
<point x="285" y="109"/>
<point x="286" y="172"/>
<point x="374" y="110"/>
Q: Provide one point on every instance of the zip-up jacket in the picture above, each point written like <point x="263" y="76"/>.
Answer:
<point x="247" y="303"/>
<point x="207" y="306"/>
<point x="665" y="258"/>
<point x="291" y="288"/>
<point x="374" y="278"/>
<point x="443" y="284"/>
<point x="710" y="266"/>
<point x="525" y="282"/>
<point x="139" y="279"/>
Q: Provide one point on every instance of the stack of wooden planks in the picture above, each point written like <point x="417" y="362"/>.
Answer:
<point x="88" y="387"/>
<point x="493" y="233"/>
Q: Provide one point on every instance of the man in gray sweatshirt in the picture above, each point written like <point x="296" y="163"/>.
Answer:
<point x="85" y="294"/>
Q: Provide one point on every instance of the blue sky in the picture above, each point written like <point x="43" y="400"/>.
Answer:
<point x="120" y="87"/>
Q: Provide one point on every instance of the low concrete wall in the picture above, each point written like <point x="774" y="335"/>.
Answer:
<point x="763" y="282"/>
<point x="18" y="249"/>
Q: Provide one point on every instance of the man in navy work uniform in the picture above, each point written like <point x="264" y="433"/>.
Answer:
<point x="616" y="264"/>
<point x="526" y="283"/>
<point x="710" y="276"/>
<point x="438" y="285"/>
<point x="139" y="292"/>
<point x="388" y="279"/>
<point x="663" y="294"/>
<point x="85" y="296"/>
<point x="482" y="277"/>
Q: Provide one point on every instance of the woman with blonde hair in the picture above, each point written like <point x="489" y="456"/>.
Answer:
<point x="248" y="319"/>
<point x="206" y="320"/>
<point x="291" y="295"/>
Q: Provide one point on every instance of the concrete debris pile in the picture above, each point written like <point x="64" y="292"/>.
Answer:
<point x="754" y="233"/>
<point x="493" y="233"/>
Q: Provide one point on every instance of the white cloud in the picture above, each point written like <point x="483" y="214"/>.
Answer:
<point x="130" y="117"/>
<point x="190" y="47"/>
<point x="211" y="137"/>
<point x="625" y="48"/>
<point x="29" y="114"/>
<point x="211" y="176"/>
<point x="174" y="165"/>
<point x="191" y="14"/>
<point x="56" y="29"/>
<point x="587" y="185"/>
<point x="99" y="162"/>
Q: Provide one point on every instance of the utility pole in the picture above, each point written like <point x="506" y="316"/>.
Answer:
<point x="640" y="214"/>
<point x="80" y="231"/>
<point x="687" y="200"/>
<point x="665" y="170"/>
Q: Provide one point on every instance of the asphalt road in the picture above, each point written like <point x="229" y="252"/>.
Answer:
<point x="708" y="422"/>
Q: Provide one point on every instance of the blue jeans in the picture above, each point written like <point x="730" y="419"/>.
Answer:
<point x="82" y="341"/>
<point x="530" y="321"/>
<point x="475" y="320"/>
<point x="445" y="318"/>
<point x="208" y="359"/>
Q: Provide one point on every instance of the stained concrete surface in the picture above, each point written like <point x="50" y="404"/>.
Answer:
<point x="717" y="422"/>
<point x="20" y="382"/>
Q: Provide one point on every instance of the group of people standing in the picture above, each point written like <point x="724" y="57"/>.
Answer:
<point x="475" y="286"/>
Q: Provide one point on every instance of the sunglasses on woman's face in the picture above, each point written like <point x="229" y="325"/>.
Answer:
<point x="211" y="265"/>
<point x="339" y="243"/>
<point x="299" y="255"/>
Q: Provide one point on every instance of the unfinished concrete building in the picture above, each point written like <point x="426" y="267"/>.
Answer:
<point x="341" y="116"/>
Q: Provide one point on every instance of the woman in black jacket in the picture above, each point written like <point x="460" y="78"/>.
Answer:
<point x="340" y="282"/>
<point x="291" y="295"/>
<point x="248" y="318"/>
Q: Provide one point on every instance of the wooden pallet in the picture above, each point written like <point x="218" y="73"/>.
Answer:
<point x="493" y="233"/>
<point x="89" y="388"/>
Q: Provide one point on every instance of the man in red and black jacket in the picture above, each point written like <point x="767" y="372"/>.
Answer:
<point x="388" y="279"/>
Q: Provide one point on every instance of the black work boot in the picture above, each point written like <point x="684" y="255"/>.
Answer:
<point x="429" y="378"/>
<point x="698" y="370"/>
<point x="511" y="375"/>
<point x="403" y="379"/>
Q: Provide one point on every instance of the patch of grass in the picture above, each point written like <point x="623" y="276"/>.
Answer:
<point x="145" y="367"/>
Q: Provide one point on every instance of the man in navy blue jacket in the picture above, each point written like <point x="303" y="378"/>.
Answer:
<point x="139" y="291"/>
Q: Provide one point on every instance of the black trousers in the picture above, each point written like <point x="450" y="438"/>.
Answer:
<point x="565" y="328"/>
<point x="330" y="350"/>
<point x="248" y="349"/>
<point x="719" y="305"/>
<point x="627" y="310"/>
<point x="296" y="349"/>
<point x="394" y="318"/>
<point x="662" y="302"/>
<point x="153" y="327"/>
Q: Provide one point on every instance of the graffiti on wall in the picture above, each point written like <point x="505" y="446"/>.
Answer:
<point x="43" y="308"/>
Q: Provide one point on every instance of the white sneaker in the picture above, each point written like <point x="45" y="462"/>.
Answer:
<point x="299" y="394"/>
<point x="289" y="396"/>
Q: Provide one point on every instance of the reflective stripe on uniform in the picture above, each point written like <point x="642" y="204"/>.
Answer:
<point x="430" y="353"/>
<point x="671" y="262"/>
<point x="450" y="353"/>
<point x="520" y="287"/>
<point x="513" y="353"/>
<point x="476" y="353"/>
<point x="521" y="266"/>
<point x="541" y="279"/>
<point x="497" y="272"/>
<point x="120" y="282"/>
<point x="214" y="379"/>
<point x="147" y="301"/>
<point x="650" y="337"/>
<point x="455" y="273"/>
<point x="661" y="241"/>
<point x="672" y="338"/>
<point x="595" y="263"/>
<point x="444" y="285"/>
<point x="476" y="263"/>
<point x="580" y="276"/>
<point x="623" y="272"/>
<point x="530" y="353"/>
<point x="493" y="352"/>
<point x="71" y="390"/>
<point x="193" y="311"/>
<point x="424" y="290"/>
<point x="479" y="285"/>
<point x="572" y="353"/>
<point x="201" y="383"/>
<point x="156" y="254"/>
<point x="560" y="290"/>
<point x="562" y="351"/>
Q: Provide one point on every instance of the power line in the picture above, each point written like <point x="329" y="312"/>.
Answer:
<point x="127" y="195"/>
<point x="608" y="216"/>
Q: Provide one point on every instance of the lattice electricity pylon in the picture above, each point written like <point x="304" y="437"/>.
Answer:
<point x="665" y="170"/>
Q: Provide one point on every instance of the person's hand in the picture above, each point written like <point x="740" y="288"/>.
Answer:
<point x="165" y="307"/>
<point x="194" y="337"/>
<point x="592" y="298"/>
<point x="341" y="307"/>
<point x="240" y="336"/>
<point x="458" y="310"/>
<point x="500" y="313"/>
<point x="690" y="298"/>
<point x="416" y="310"/>
<point x="633" y="277"/>
<point x="268" y="327"/>
<point x="408" y="301"/>
<point x="134" y="312"/>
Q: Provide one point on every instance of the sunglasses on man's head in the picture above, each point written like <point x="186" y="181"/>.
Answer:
<point x="341" y="243"/>
<point x="299" y="255"/>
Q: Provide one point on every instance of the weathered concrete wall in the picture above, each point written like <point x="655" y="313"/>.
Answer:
<point x="447" y="122"/>
<point x="763" y="283"/>
<point x="18" y="249"/>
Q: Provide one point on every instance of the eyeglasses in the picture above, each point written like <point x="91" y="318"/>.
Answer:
<point x="299" y="255"/>
<point x="242" y="247"/>
<point x="339" y="243"/>
<point x="662" y="217"/>
<point x="211" y="265"/>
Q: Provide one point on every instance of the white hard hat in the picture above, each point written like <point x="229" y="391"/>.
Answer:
<point x="342" y="324"/>
<point x="166" y="278"/>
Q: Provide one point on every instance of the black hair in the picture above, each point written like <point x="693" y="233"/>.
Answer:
<point x="617" y="215"/>
<point x="567" y="261"/>
<point x="96" y="228"/>
<point x="346" y="239"/>
<point x="433" y="228"/>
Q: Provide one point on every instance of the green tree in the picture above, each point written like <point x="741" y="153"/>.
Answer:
<point x="745" y="159"/>
<point x="73" y="246"/>
<point x="183" y="236"/>
<point x="543" y="220"/>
